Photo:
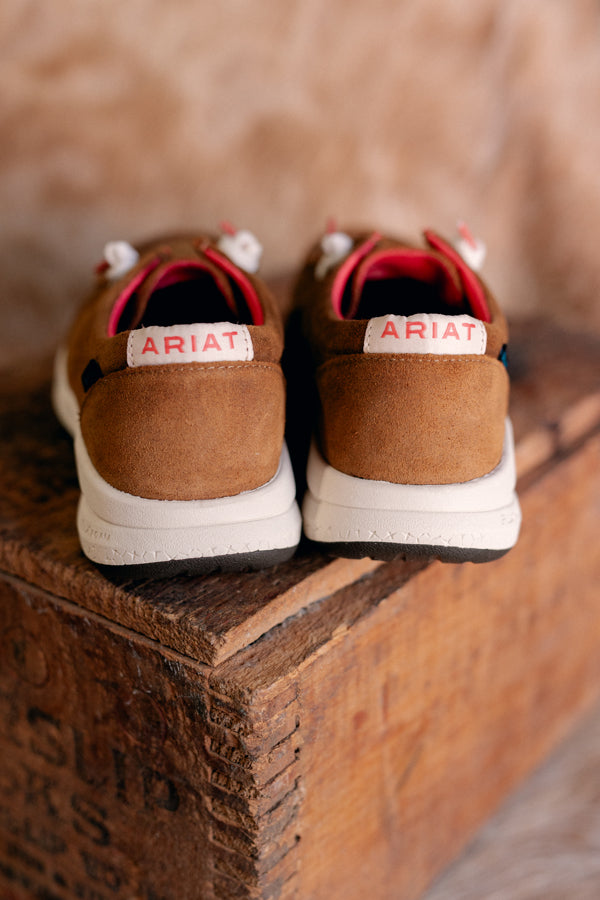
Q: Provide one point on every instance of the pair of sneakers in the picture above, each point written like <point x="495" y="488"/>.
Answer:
<point x="172" y="386"/>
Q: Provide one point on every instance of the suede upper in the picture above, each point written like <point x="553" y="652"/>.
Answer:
<point x="158" y="420"/>
<point x="405" y="417"/>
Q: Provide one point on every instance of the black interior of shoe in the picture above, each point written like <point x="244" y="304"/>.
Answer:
<point x="186" y="302"/>
<point x="400" y="297"/>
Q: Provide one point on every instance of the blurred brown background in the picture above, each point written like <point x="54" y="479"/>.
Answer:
<point x="121" y="120"/>
<point x="127" y="119"/>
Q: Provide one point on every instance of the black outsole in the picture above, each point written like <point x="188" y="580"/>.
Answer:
<point x="233" y="562"/>
<point x="388" y="551"/>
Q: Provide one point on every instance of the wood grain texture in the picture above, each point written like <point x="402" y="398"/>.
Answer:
<point x="323" y="730"/>
<point x="555" y="392"/>
<point x="420" y="708"/>
<point x="124" y="774"/>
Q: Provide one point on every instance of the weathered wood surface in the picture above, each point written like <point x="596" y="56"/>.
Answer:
<point x="124" y="772"/>
<point x="420" y="709"/>
<point x="165" y="741"/>
<point x="556" y="397"/>
<point x="349" y="753"/>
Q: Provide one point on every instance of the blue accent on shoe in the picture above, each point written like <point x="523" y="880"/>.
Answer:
<point x="503" y="357"/>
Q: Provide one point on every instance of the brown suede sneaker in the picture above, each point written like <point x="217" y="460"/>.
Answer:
<point x="171" y="384"/>
<point x="413" y="453"/>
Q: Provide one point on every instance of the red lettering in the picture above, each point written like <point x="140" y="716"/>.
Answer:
<point x="415" y="328"/>
<point x="194" y="347"/>
<point x="451" y="331"/>
<point x="434" y="329"/>
<point x="469" y="326"/>
<point x="149" y="346"/>
<point x="174" y="343"/>
<point x="390" y="328"/>
<point x="211" y="341"/>
<point x="230" y="335"/>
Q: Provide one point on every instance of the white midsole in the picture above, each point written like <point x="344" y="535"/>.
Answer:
<point x="482" y="514"/>
<point x="117" y="528"/>
<point x="110" y="544"/>
<point x="64" y="400"/>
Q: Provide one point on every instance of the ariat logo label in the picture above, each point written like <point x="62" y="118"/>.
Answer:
<point x="205" y="342"/>
<point x="426" y="333"/>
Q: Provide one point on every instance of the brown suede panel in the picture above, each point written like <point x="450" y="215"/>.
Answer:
<point x="413" y="419"/>
<point x="186" y="432"/>
<point x="267" y="341"/>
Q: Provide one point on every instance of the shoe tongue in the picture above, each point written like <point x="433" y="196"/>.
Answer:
<point x="398" y="263"/>
<point x="177" y="271"/>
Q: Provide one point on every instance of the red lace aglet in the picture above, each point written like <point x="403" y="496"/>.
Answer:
<point x="465" y="233"/>
<point x="227" y="228"/>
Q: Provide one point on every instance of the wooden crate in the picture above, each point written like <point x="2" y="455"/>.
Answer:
<point x="326" y="729"/>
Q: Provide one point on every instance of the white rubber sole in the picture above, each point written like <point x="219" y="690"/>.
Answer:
<point x="253" y="529"/>
<point x="474" y="521"/>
